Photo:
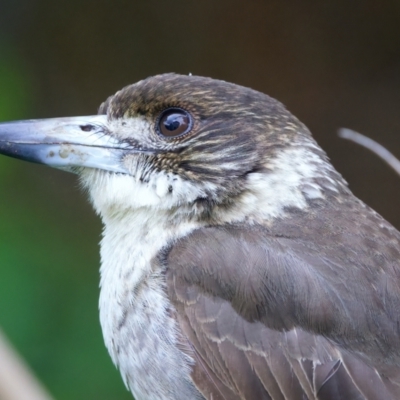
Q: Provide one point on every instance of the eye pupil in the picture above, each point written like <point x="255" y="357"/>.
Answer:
<point x="174" y="122"/>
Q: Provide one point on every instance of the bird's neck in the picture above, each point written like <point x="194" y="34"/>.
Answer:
<point x="134" y="307"/>
<point x="130" y="241"/>
<point x="296" y="177"/>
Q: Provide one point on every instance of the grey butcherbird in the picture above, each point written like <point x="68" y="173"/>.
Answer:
<point x="235" y="262"/>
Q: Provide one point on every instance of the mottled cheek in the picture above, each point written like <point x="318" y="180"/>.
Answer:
<point x="136" y="129"/>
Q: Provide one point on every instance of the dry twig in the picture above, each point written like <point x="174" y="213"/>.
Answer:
<point x="17" y="382"/>
<point x="370" y="144"/>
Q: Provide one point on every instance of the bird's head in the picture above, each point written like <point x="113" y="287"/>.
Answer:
<point x="184" y="144"/>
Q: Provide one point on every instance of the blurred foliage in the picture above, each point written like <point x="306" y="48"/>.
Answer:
<point x="14" y="94"/>
<point x="14" y="87"/>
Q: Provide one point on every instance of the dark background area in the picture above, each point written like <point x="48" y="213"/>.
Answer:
<point x="332" y="63"/>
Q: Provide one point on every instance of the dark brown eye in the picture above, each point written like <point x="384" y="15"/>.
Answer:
<point x="174" y="122"/>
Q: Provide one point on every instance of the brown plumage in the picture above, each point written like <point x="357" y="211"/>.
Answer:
<point x="305" y="326"/>
<point x="236" y="263"/>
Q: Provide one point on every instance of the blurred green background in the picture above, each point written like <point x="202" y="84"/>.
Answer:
<point x="333" y="63"/>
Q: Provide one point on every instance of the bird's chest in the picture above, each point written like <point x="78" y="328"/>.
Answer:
<point x="137" y="320"/>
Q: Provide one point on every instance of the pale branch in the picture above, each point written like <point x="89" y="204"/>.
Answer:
<point x="17" y="381"/>
<point x="371" y="145"/>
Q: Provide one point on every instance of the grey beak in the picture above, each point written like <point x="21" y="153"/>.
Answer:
<point x="65" y="143"/>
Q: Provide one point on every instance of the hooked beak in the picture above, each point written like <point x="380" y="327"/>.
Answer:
<point x="65" y="143"/>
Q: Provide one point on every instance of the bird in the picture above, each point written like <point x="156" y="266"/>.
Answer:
<point x="235" y="261"/>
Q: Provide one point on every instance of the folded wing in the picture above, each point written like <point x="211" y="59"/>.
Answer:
<point x="272" y="318"/>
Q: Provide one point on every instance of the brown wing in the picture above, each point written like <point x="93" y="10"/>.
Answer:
<point x="270" y="318"/>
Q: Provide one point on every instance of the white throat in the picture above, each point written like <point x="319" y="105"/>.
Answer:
<point x="135" y="314"/>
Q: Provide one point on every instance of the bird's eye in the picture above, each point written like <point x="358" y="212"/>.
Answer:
<point x="174" y="122"/>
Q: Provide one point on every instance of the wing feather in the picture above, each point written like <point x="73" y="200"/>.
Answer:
<point x="266" y="320"/>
